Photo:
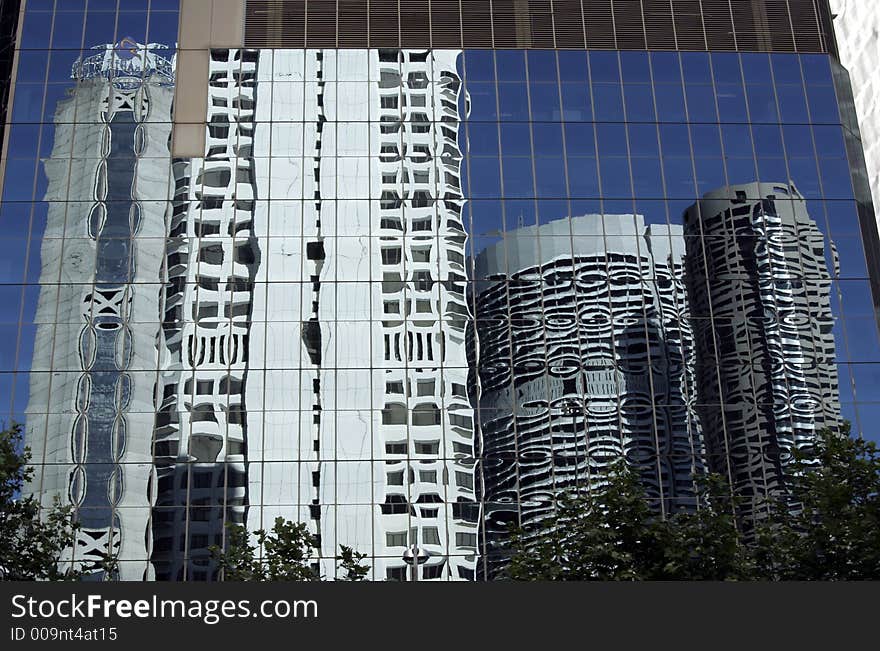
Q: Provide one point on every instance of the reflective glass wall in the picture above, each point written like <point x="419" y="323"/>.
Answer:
<point x="85" y="191"/>
<point x="409" y="297"/>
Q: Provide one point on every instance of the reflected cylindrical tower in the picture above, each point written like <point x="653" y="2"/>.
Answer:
<point x="759" y="287"/>
<point x="582" y="355"/>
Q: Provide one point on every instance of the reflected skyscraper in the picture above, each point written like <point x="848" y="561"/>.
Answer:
<point x="201" y="429"/>
<point x="583" y="356"/>
<point x="759" y="278"/>
<point x="368" y="475"/>
<point x="89" y="420"/>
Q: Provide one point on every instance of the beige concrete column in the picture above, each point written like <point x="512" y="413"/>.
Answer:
<point x="204" y="24"/>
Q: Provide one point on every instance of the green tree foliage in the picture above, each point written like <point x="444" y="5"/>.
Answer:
<point x="830" y="527"/>
<point x="350" y="563"/>
<point x="31" y="546"/>
<point x="827" y="527"/>
<point x="613" y="534"/>
<point x="592" y="536"/>
<point x="287" y="555"/>
<point x="703" y="544"/>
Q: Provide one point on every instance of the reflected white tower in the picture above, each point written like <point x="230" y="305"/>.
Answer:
<point x="89" y="417"/>
<point x="210" y="266"/>
<point x="315" y="315"/>
<point x="365" y="394"/>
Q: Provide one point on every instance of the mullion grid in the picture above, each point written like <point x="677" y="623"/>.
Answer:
<point x="575" y="291"/>
<point x="471" y="302"/>
<point x="91" y="289"/>
<point x="647" y="255"/>
<point x="835" y="282"/>
<point x="551" y="461"/>
<point x="694" y="428"/>
<point x="533" y="163"/>
<point x="807" y="278"/>
<point x="603" y="200"/>
<point x="508" y="302"/>
<point x="767" y="482"/>
<point x="732" y="478"/>
<point x="67" y="207"/>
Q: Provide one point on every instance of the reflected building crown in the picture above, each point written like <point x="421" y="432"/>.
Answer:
<point x="126" y="64"/>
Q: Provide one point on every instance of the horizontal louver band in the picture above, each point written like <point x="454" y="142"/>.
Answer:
<point x="743" y="25"/>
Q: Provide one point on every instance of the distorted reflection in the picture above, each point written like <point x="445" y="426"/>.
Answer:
<point x="410" y="297"/>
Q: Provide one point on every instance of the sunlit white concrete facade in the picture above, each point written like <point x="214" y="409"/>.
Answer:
<point x="857" y="28"/>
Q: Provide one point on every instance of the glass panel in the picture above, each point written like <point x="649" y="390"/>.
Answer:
<point x="394" y="281"/>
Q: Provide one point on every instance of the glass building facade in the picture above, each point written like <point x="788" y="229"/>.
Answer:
<point x="409" y="275"/>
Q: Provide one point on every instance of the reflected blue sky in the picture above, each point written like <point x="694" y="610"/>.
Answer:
<point x="549" y="135"/>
